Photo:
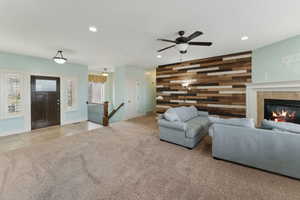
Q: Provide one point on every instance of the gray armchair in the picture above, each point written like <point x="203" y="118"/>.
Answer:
<point x="187" y="134"/>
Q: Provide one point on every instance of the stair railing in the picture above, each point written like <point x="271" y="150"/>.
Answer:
<point x="107" y="116"/>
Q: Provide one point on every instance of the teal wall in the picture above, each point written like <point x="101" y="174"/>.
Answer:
<point x="277" y="62"/>
<point x="21" y="63"/>
<point x="109" y="85"/>
<point x="147" y="89"/>
<point x="119" y="89"/>
<point x="150" y="91"/>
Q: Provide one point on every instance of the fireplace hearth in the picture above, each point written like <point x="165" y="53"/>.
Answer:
<point x="282" y="110"/>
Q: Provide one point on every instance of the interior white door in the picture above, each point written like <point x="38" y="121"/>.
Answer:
<point x="132" y="101"/>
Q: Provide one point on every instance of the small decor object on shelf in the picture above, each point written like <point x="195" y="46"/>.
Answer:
<point x="104" y="73"/>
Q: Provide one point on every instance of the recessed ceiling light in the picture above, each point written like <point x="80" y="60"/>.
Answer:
<point x="93" y="29"/>
<point x="158" y="56"/>
<point x="245" y="38"/>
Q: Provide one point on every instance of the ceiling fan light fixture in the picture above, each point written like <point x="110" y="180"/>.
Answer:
<point x="182" y="47"/>
<point x="59" y="58"/>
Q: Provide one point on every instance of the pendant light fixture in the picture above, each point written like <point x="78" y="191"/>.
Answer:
<point x="59" y="58"/>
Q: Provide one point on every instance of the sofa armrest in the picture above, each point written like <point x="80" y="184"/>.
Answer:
<point x="174" y="125"/>
<point x="160" y="116"/>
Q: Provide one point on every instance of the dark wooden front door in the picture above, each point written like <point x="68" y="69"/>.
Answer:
<point x="45" y="101"/>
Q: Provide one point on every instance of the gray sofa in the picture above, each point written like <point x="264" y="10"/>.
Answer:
<point x="185" y="133"/>
<point x="271" y="150"/>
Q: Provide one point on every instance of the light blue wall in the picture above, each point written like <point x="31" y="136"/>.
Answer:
<point x="109" y="85"/>
<point x="150" y="91"/>
<point x="119" y="89"/>
<point x="36" y="65"/>
<point x="277" y="62"/>
<point x="146" y="90"/>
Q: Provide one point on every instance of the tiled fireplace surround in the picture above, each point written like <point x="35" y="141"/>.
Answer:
<point x="257" y="92"/>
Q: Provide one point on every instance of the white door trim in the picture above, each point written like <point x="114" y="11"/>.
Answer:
<point x="27" y="114"/>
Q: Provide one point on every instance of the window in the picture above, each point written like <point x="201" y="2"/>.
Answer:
<point x="96" y="92"/>
<point x="45" y="85"/>
<point x="12" y="91"/>
<point x="71" y="95"/>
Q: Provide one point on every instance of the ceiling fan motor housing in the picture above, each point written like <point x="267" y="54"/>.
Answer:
<point x="182" y="43"/>
<point x="181" y="33"/>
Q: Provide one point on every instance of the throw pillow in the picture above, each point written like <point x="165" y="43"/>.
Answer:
<point x="171" y="115"/>
<point x="283" y="126"/>
<point x="185" y="113"/>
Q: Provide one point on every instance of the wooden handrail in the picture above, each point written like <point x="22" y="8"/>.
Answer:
<point x="115" y="110"/>
<point x="107" y="116"/>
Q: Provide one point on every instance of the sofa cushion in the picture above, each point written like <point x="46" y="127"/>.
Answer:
<point x="283" y="126"/>
<point x="195" y="125"/>
<point x="242" y="122"/>
<point x="171" y="115"/>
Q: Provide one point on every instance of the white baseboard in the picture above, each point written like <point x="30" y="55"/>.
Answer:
<point x="135" y="116"/>
<point x="73" y="122"/>
<point x="20" y="131"/>
<point x="13" y="132"/>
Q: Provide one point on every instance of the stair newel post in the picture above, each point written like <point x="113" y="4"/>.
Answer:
<point x="105" y="114"/>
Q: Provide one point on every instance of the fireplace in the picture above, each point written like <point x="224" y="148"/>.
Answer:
<point x="282" y="110"/>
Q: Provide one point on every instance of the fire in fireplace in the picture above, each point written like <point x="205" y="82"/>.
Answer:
<point x="282" y="110"/>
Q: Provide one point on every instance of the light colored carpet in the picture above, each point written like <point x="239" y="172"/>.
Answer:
<point x="128" y="161"/>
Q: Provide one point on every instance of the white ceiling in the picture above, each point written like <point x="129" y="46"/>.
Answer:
<point x="128" y="29"/>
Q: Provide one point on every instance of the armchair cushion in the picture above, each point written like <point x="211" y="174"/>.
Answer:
<point x="194" y="126"/>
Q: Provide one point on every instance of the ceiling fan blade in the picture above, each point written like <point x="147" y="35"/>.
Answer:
<point x="201" y="43"/>
<point x="166" y="48"/>
<point x="194" y="35"/>
<point x="165" y="40"/>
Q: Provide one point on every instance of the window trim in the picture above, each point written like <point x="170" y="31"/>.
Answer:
<point x="4" y="114"/>
<point x="74" y="106"/>
<point x="103" y="87"/>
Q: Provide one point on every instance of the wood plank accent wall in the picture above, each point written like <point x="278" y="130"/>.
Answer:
<point x="216" y="84"/>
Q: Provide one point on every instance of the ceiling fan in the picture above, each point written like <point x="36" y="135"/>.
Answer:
<point x="182" y="43"/>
